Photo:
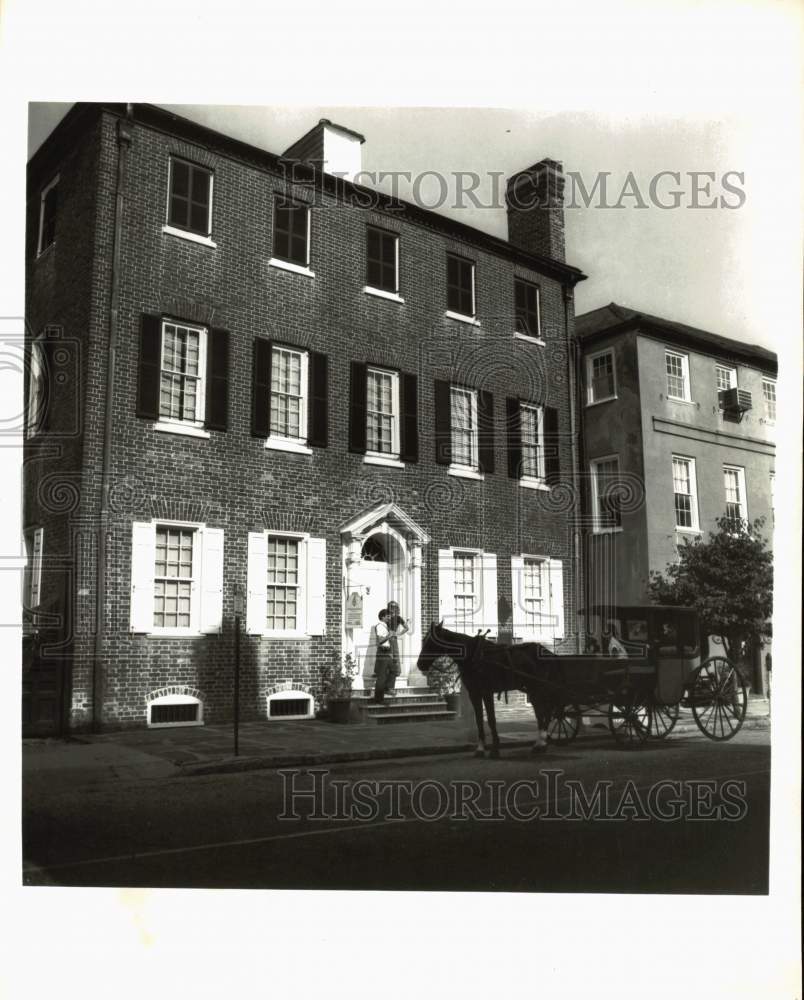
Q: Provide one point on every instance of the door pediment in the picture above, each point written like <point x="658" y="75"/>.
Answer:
<point x="387" y="513"/>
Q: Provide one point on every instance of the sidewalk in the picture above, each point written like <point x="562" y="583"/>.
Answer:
<point x="159" y="753"/>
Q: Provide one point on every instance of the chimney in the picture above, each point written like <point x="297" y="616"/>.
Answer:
<point x="329" y="147"/>
<point x="535" y="202"/>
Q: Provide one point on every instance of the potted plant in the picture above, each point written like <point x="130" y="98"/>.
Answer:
<point x="444" y="678"/>
<point x="337" y="679"/>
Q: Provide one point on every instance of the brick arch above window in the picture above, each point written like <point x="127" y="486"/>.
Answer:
<point x="169" y="509"/>
<point x="191" y="310"/>
<point x="195" y="154"/>
<point x="280" y="520"/>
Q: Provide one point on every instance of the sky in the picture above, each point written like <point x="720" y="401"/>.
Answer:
<point x="689" y="263"/>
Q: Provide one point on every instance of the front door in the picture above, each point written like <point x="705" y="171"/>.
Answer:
<point x="374" y="582"/>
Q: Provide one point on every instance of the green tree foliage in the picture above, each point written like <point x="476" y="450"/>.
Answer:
<point x="729" y="580"/>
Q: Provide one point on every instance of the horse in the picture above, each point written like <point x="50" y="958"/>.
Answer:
<point x="486" y="669"/>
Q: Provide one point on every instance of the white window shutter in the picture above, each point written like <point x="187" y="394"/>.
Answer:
<point x="446" y="587"/>
<point x="316" y="586"/>
<point x="556" y="576"/>
<point x="488" y="617"/>
<point x="143" y="556"/>
<point x="212" y="580"/>
<point x="518" y="618"/>
<point x="257" y="587"/>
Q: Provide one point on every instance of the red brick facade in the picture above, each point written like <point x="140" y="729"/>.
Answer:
<point x="230" y="480"/>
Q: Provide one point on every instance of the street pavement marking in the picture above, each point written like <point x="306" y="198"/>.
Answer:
<point x="138" y="855"/>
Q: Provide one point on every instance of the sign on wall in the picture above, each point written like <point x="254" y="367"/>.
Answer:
<point x="354" y="610"/>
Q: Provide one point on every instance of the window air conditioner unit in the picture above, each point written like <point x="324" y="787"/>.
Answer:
<point x="735" y="400"/>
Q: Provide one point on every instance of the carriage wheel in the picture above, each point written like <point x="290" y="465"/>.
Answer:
<point x="630" y="719"/>
<point x="565" y="725"/>
<point x="662" y="720"/>
<point x="719" y="699"/>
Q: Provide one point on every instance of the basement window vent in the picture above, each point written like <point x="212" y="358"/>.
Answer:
<point x="175" y="710"/>
<point x="290" y="705"/>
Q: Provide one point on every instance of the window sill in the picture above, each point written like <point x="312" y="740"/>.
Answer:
<point x="391" y="463"/>
<point x="606" y="531"/>
<point x="688" y="531"/>
<point x="204" y="241"/>
<point x="188" y="430"/>
<point x="170" y="633"/>
<point x="534" y="484"/>
<point x="528" y="339"/>
<point x="283" y="635"/>
<point x="282" y="444"/>
<point x="597" y="402"/>
<point x="464" y="473"/>
<point x="286" y="265"/>
<point x="677" y="399"/>
<point x="461" y="318"/>
<point x="380" y="293"/>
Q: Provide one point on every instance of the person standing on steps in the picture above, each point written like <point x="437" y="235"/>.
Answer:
<point x="383" y="663"/>
<point x="396" y="627"/>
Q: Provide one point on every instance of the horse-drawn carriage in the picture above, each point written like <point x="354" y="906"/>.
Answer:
<point x="642" y="666"/>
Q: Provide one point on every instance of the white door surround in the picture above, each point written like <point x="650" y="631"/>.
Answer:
<point x="395" y="573"/>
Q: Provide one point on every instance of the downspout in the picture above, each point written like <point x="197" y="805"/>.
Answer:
<point x="576" y="494"/>
<point x="124" y="134"/>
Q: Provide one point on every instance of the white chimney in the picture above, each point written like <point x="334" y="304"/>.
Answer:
<point x="329" y="147"/>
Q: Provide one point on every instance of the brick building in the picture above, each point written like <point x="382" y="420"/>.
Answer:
<point x="682" y="422"/>
<point x="251" y="376"/>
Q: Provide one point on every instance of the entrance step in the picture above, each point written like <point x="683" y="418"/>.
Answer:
<point x="398" y="717"/>
<point x="405" y="705"/>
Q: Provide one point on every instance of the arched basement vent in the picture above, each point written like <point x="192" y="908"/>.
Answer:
<point x="175" y="710"/>
<point x="290" y="705"/>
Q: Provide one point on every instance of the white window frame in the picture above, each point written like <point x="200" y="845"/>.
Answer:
<point x="301" y="587"/>
<point x="459" y="468"/>
<point x="694" y="528"/>
<point x="34" y="539"/>
<point x="590" y="393"/>
<point x="36" y="388"/>
<point x="280" y="441"/>
<point x="179" y="424"/>
<point x="550" y="571"/>
<point x="463" y="317"/>
<point x="383" y="293"/>
<point x="289" y="265"/>
<point x="194" y="628"/>
<point x="537" y="481"/>
<point x="597" y="527"/>
<point x="740" y="471"/>
<point x="731" y="372"/>
<point x="396" y="416"/>
<point x="685" y="375"/>
<point x="45" y="191"/>
<point x="518" y="335"/>
<point x="187" y="234"/>
<point x="767" y="383"/>
<point x="477" y="586"/>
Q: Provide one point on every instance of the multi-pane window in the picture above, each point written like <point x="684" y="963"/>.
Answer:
<point x="464" y="427"/>
<point x="173" y="577"/>
<point x="526" y="306"/>
<point x="382" y="412"/>
<point x="600" y="377"/>
<point x="190" y="200"/>
<point x="283" y="583"/>
<point x="684" y="493"/>
<point x="460" y="285"/>
<point x="36" y="388"/>
<point x="678" y="380"/>
<point x="725" y="378"/>
<point x="291" y="232"/>
<point x="734" y="485"/>
<point x="535" y="594"/>
<point x="769" y="395"/>
<point x="48" y="209"/>
<point x="183" y="366"/>
<point x="288" y="394"/>
<point x="466" y="590"/>
<point x="532" y="441"/>
<point x="382" y="260"/>
<point x="606" y="493"/>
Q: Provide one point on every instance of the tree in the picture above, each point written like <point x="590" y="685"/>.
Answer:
<point x="729" y="580"/>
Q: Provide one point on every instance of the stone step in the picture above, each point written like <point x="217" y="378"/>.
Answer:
<point x="421" y="699"/>
<point x="394" y="718"/>
<point x="408" y="705"/>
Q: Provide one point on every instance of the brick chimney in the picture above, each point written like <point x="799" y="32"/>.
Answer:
<point x="332" y="148"/>
<point x="535" y="202"/>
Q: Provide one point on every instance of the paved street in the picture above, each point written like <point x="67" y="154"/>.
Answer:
<point x="445" y="822"/>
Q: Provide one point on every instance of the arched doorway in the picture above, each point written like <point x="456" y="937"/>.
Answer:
<point x="379" y="578"/>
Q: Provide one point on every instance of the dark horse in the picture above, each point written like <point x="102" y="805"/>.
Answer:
<point x="487" y="668"/>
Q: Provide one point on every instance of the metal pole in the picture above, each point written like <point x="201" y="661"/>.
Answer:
<point x="237" y="688"/>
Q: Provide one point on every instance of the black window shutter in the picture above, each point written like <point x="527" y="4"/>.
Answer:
<point x="150" y="365"/>
<point x="357" y="408"/>
<point x="261" y="389"/>
<point x="217" y="403"/>
<point x="409" y="424"/>
<point x="317" y="418"/>
<point x="551" y="464"/>
<point x="485" y="430"/>
<point x="514" y="430"/>
<point x="443" y="430"/>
